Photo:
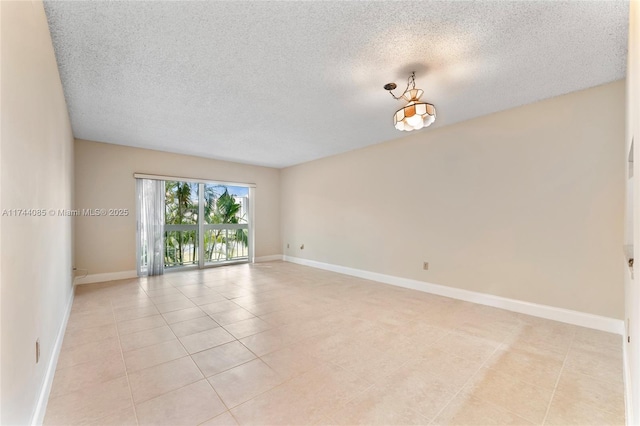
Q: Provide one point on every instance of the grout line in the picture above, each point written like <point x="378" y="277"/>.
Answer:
<point x="464" y="385"/>
<point x="204" y="377"/>
<point x="126" y="372"/>
<point x="553" y="393"/>
<point x="195" y="363"/>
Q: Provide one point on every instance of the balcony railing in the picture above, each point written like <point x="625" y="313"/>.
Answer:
<point x="222" y="243"/>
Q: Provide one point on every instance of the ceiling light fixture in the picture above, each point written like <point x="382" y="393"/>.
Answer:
<point x="415" y="115"/>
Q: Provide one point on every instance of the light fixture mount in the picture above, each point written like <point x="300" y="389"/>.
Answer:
<point x="416" y="114"/>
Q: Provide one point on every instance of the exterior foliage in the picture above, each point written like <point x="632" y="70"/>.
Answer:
<point x="220" y="208"/>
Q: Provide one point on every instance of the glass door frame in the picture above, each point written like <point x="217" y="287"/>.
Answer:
<point x="201" y="226"/>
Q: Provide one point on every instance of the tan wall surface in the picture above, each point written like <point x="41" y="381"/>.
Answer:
<point x="36" y="172"/>
<point x="104" y="179"/>
<point x="526" y="204"/>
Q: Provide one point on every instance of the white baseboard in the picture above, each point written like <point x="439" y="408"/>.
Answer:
<point x="45" y="390"/>
<point x="271" y="258"/>
<point x="582" y="319"/>
<point x="109" y="276"/>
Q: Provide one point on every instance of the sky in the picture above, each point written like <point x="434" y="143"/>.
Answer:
<point x="240" y="191"/>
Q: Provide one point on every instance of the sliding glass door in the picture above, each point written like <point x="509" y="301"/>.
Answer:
<point x="199" y="224"/>
<point x="226" y="223"/>
<point x="205" y="224"/>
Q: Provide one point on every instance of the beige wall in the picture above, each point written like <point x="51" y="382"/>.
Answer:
<point x="104" y="179"/>
<point x="36" y="172"/>
<point x="526" y="204"/>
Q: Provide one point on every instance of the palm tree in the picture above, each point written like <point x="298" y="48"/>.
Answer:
<point x="226" y="211"/>
<point x="179" y="210"/>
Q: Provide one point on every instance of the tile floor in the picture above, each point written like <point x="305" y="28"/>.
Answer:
<point x="278" y="343"/>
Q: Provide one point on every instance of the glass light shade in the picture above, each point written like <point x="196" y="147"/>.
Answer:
<point x="414" y="120"/>
<point x="413" y="94"/>
<point x="415" y="115"/>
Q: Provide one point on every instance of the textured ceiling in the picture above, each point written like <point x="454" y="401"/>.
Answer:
<point x="281" y="83"/>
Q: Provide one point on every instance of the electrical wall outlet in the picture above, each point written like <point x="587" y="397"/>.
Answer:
<point x="425" y="266"/>
<point x="37" y="350"/>
<point x="287" y="245"/>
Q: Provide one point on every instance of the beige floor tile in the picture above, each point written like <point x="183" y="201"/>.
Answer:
<point x="600" y="394"/>
<point x="189" y="405"/>
<point x="284" y="317"/>
<point x="425" y="393"/>
<point x="144" y="338"/>
<point x="603" y="366"/>
<point x="230" y="317"/>
<point x="325" y="389"/>
<point x="290" y="362"/>
<point x="89" y="352"/>
<point x="140" y="324"/>
<point x="566" y="411"/>
<point x="467" y="410"/>
<point x="247" y="327"/>
<point x="183" y="315"/>
<point x="193" y="326"/>
<point x="89" y="303"/>
<point x="376" y="407"/>
<point x="224" y="419"/>
<point x="279" y="406"/>
<point x="329" y="345"/>
<point x="149" y="356"/>
<point x="89" y="404"/>
<point x="537" y="368"/>
<point x="154" y="285"/>
<point x="128" y="302"/>
<point x="80" y="376"/>
<point x="87" y="319"/>
<point x="206" y="339"/>
<point x="176" y="305"/>
<point x="166" y="298"/>
<point x="548" y="335"/>
<point x="141" y="312"/>
<point x="184" y="280"/>
<point x="220" y="358"/>
<point x="483" y="327"/>
<point x="253" y="304"/>
<point x="155" y="381"/>
<point x="608" y="350"/>
<point x="196" y="290"/>
<point x="162" y="292"/>
<point x="244" y="382"/>
<point x="222" y="284"/>
<point x="458" y="371"/>
<point x="126" y="417"/>
<point x="586" y="338"/>
<point x="88" y="335"/>
<point x="517" y="344"/>
<point x="467" y="346"/>
<point x="222" y="306"/>
<point x="234" y="294"/>
<point x="267" y="341"/>
<point x="207" y="299"/>
<point x="527" y="401"/>
<point x="332" y="349"/>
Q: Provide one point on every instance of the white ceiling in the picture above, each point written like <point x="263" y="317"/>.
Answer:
<point x="281" y="83"/>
